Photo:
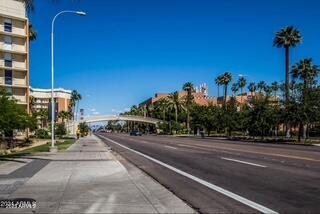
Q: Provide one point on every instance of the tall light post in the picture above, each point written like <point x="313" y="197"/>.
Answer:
<point x="81" y="13"/>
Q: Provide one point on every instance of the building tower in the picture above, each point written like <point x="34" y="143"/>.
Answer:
<point x="14" y="50"/>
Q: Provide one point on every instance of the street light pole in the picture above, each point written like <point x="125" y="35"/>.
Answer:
<point x="52" y="72"/>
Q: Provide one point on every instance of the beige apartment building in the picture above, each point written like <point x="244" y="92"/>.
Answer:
<point x="41" y="99"/>
<point x="14" y="50"/>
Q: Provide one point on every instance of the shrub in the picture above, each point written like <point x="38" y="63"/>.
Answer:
<point x="41" y="133"/>
<point x="60" y="130"/>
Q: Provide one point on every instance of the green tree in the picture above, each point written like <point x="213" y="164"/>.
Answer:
<point x="306" y="73"/>
<point x="261" y="117"/>
<point x="63" y="115"/>
<point x="230" y="116"/>
<point x="150" y="110"/>
<point x="287" y="38"/>
<point x="13" y="116"/>
<point x="60" y="130"/>
<point x="84" y="129"/>
<point x="43" y="115"/>
<point x="175" y="102"/>
<point x="162" y="105"/>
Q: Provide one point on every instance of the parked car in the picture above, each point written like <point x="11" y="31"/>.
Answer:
<point x="135" y="133"/>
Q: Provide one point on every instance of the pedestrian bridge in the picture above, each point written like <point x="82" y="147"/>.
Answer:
<point x="104" y="118"/>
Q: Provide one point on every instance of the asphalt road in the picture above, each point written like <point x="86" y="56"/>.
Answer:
<point x="279" y="178"/>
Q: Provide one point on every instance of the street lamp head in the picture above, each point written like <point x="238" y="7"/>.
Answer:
<point x="81" y="13"/>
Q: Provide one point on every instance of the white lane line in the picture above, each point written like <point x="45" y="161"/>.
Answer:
<point x="170" y="147"/>
<point x="239" y="161"/>
<point x="199" y="180"/>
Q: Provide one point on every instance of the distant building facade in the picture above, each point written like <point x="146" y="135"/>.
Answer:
<point x="41" y="98"/>
<point x="200" y="96"/>
<point x="14" y="50"/>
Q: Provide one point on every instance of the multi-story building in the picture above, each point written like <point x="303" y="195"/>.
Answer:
<point x="200" y="96"/>
<point x="14" y="50"/>
<point x="41" y="98"/>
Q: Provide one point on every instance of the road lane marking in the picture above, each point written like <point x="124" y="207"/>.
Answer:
<point x="225" y="192"/>
<point x="170" y="147"/>
<point x="241" y="150"/>
<point x="239" y="161"/>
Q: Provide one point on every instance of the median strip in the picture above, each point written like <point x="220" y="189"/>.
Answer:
<point x="244" y="162"/>
<point x="225" y="192"/>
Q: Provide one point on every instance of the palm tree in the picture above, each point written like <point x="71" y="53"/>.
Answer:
<point x="162" y="106"/>
<point x="136" y="111"/>
<point x="75" y="98"/>
<point x="150" y="110"/>
<point x="44" y="115"/>
<point x="252" y="88"/>
<point x="226" y="78"/>
<point x="32" y="33"/>
<point x="29" y="5"/>
<point x="234" y="89"/>
<point x="189" y="88"/>
<point x="242" y="82"/>
<point x="175" y="102"/>
<point x="306" y="71"/>
<point x="275" y="88"/>
<point x="218" y="83"/>
<point x="286" y="38"/>
<point x="32" y="103"/>
<point x="64" y="115"/>
<point x="261" y="86"/>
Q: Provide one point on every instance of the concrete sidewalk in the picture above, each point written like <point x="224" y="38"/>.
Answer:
<point x="89" y="179"/>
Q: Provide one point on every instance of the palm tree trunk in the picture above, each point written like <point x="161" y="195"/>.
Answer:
<point x="188" y="121"/>
<point x="225" y="94"/>
<point x="287" y="73"/>
<point x="164" y="115"/>
<point x="287" y="50"/>
<point x="218" y="91"/>
<point x="176" y="113"/>
<point x="305" y="132"/>
<point x="300" y="131"/>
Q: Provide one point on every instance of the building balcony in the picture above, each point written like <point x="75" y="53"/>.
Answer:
<point x="13" y="85"/>
<point x="14" y="68"/>
<point x="13" y="49"/>
<point x="15" y="33"/>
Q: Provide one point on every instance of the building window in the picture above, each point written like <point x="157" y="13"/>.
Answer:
<point x="8" y="77"/>
<point x="9" y="90"/>
<point x="7" y="60"/>
<point x="8" y="43"/>
<point x="8" y="25"/>
<point x="8" y="63"/>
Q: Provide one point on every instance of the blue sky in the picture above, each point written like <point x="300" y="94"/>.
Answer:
<point x="124" y="51"/>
